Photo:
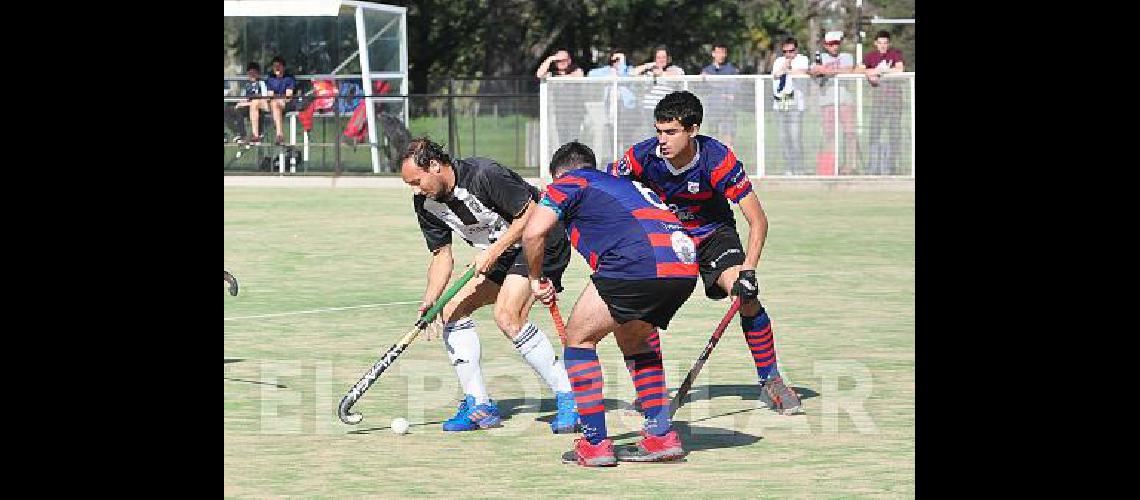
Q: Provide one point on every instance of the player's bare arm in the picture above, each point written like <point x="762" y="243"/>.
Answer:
<point x="540" y="223"/>
<point x="757" y="229"/>
<point x="439" y="272"/>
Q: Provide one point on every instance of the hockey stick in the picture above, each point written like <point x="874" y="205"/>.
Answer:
<point x="556" y="315"/>
<point x="344" y="409"/>
<point x="233" y="282"/>
<point x="700" y="363"/>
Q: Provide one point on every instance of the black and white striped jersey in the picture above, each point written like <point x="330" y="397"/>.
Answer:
<point x="486" y="199"/>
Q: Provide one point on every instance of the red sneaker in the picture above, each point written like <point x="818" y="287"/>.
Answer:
<point x="653" y="449"/>
<point x="591" y="455"/>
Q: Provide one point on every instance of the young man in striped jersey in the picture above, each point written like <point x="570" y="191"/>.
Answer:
<point x="488" y="205"/>
<point x="644" y="269"/>
<point x="697" y="176"/>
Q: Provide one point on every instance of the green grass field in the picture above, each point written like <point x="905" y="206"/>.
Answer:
<point x="837" y="277"/>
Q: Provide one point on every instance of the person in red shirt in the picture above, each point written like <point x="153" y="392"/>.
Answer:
<point x="887" y="106"/>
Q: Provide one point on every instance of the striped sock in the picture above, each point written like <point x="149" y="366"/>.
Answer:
<point x="654" y="340"/>
<point x="652" y="395"/>
<point x="463" y="349"/>
<point x="586" y="378"/>
<point x="536" y="349"/>
<point x="758" y="334"/>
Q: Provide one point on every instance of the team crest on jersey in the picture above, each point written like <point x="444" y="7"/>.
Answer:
<point x="474" y="205"/>
<point x="683" y="247"/>
<point x="694" y="187"/>
<point x="623" y="167"/>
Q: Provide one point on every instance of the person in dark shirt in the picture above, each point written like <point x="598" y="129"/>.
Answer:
<point x="281" y="86"/>
<point x="488" y="205"/>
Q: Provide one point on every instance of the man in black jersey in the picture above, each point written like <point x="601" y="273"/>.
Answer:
<point x="488" y="206"/>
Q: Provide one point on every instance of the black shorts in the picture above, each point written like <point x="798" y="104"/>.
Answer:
<point x="554" y="262"/>
<point x="653" y="301"/>
<point x="717" y="252"/>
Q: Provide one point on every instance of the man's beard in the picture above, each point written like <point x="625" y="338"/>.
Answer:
<point x="441" y="196"/>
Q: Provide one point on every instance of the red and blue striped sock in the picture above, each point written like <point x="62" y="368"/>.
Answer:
<point x="758" y="334"/>
<point x="652" y="396"/>
<point x="654" y="341"/>
<point x="586" y="379"/>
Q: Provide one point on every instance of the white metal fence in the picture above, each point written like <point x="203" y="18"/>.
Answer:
<point x="789" y="135"/>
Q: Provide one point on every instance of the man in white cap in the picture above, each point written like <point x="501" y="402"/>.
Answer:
<point x="831" y="63"/>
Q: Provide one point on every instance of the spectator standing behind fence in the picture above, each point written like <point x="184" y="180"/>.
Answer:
<point x="788" y="103"/>
<point x="617" y="67"/>
<point x="831" y="63"/>
<point x="252" y="90"/>
<point x="719" y="114"/>
<point x="563" y="66"/>
<point x="568" y="126"/>
<point x="886" y="107"/>
<point x="658" y="67"/>
<point x="281" y="87"/>
<point x="719" y="66"/>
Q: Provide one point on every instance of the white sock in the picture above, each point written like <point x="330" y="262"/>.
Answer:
<point x="463" y="348"/>
<point x="536" y="349"/>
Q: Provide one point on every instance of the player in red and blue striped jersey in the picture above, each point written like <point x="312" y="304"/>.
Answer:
<point x="697" y="176"/>
<point x="644" y="270"/>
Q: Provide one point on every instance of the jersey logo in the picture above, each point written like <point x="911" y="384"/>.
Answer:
<point x="683" y="247"/>
<point x="623" y="167"/>
<point x="694" y="187"/>
<point x="474" y="205"/>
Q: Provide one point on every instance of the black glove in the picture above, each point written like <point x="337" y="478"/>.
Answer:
<point x="745" y="286"/>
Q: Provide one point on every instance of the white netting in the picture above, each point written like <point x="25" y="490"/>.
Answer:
<point x="794" y="131"/>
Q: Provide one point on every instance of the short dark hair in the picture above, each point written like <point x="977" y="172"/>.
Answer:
<point x="791" y="40"/>
<point x="660" y="47"/>
<point x="682" y="106"/>
<point x="277" y="59"/>
<point x="252" y="66"/>
<point x="883" y="34"/>
<point x="721" y="45"/>
<point x="422" y="150"/>
<point x="570" y="156"/>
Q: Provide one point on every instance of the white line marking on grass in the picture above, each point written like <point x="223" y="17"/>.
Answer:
<point x="316" y="311"/>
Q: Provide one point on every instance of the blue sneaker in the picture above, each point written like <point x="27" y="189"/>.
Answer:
<point x="566" y="420"/>
<point x="472" y="416"/>
<point x="460" y="417"/>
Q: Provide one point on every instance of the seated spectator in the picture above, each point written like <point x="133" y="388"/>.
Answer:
<point x="563" y="66"/>
<point x="281" y="86"/>
<point x="254" y="91"/>
<point x="659" y="66"/>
